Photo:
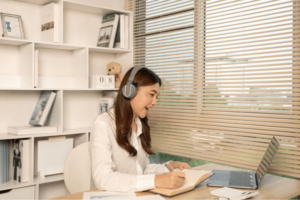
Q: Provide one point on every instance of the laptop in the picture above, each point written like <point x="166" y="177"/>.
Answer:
<point x="245" y="179"/>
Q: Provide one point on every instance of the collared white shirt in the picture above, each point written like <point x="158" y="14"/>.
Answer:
<point x="112" y="167"/>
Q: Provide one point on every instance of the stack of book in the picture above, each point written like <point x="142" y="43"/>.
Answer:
<point x="4" y="161"/>
<point x="114" y="31"/>
<point x="14" y="160"/>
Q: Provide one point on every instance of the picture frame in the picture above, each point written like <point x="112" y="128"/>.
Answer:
<point x="12" y="26"/>
<point x="105" y="104"/>
<point x="104" y="36"/>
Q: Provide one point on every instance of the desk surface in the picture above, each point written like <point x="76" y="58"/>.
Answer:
<point x="272" y="187"/>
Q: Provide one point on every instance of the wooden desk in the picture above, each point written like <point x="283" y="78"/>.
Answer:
<point x="272" y="187"/>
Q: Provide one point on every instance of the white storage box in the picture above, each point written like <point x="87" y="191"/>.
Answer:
<point x="51" y="155"/>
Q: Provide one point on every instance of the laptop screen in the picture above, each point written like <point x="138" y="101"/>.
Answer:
<point x="266" y="160"/>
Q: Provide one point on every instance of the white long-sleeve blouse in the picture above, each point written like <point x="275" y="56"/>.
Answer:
<point x="112" y="167"/>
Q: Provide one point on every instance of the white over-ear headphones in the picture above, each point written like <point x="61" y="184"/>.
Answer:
<point x="129" y="90"/>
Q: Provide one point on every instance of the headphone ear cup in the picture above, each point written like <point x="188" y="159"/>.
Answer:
<point x="129" y="91"/>
<point x="133" y="91"/>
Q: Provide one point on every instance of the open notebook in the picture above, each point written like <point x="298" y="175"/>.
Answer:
<point x="192" y="178"/>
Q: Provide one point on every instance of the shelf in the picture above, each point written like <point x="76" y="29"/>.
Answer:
<point x="94" y="89"/>
<point x="27" y="89"/>
<point x="66" y="67"/>
<point x="61" y="46"/>
<point x="49" y="179"/>
<point x="15" y="42"/>
<point x="48" y="45"/>
<point x="65" y="89"/>
<point x="38" y="2"/>
<point x="68" y="5"/>
<point x="77" y="130"/>
<point x="64" y="133"/>
<point x="108" y="50"/>
<point x="6" y="136"/>
<point x="14" y="184"/>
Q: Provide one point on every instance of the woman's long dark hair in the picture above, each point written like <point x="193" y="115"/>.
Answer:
<point x="124" y="113"/>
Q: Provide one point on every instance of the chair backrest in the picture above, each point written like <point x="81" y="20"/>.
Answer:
<point x="77" y="170"/>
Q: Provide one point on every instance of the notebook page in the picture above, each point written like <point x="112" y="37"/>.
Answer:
<point x="191" y="176"/>
<point x="184" y="185"/>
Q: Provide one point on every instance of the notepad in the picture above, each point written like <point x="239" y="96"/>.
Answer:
<point x="149" y="197"/>
<point x="107" y="195"/>
<point x="192" y="179"/>
<point x="233" y="194"/>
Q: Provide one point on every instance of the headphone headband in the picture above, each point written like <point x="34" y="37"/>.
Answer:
<point x="133" y="73"/>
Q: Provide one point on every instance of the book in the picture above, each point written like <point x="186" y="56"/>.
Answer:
<point x="22" y="130"/>
<point x="18" y="164"/>
<point x="50" y="22"/>
<point x="117" y="38"/>
<point x="192" y="179"/>
<point x="42" y="108"/>
<point x="4" y="161"/>
<point x="108" y="30"/>
<point x="122" y="31"/>
<point x="15" y="161"/>
<point x="36" y="68"/>
<point x="1" y="31"/>
<point x="105" y="104"/>
<point x="126" y="31"/>
<point x="24" y="150"/>
<point x="2" y="171"/>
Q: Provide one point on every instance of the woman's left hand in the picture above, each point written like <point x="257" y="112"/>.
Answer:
<point x="179" y="165"/>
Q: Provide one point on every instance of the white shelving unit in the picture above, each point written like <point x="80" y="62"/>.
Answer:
<point x="64" y="67"/>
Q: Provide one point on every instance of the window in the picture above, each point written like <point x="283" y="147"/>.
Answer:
<point x="230" y="72"/>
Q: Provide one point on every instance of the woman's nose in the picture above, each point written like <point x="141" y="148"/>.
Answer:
<point x="154" y="102"/>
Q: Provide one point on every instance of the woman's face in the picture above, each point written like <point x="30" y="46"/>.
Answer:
<point x="144" y="100"/>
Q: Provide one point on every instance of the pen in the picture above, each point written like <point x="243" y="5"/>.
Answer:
<point x="168" y="167"/>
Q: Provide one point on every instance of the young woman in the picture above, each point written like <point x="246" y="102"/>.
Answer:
<point x="120" y="140"/>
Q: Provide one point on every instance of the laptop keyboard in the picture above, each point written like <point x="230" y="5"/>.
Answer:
<point x="240" y="179"/>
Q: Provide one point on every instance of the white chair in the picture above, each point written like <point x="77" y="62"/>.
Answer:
<point x="77" y="170"/>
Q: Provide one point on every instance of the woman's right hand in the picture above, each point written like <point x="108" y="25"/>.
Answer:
<point x="171" y="180"/>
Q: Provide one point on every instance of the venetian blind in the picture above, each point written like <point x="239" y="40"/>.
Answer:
<point x="230" y="72"/>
